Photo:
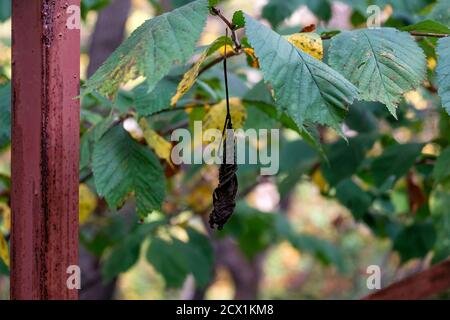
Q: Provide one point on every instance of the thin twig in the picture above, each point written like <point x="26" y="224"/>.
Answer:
<point x="180" y="108"/>
<point x="413" y="33"/>
<point x="427" y="34"/>
<point x="230" y="25"/>
<point x="217" y="60"/>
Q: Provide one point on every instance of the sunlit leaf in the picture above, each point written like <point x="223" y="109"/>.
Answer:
<point x="443" y="72"/>
<point x="383" y="63"/>
<point x="308" y="42"/>
<point x="305" y="88"/>
<point x="122" y="166"/>
<point x="152" y="49"/>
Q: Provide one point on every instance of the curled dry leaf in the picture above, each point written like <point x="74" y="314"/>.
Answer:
<point x="224" y="196"/>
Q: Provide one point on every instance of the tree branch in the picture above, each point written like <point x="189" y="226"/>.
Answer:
<point x="422" y="285"/>
<point x="217" y="60"/>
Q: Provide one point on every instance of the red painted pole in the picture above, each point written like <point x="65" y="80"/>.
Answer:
<point x="45" y="149"/>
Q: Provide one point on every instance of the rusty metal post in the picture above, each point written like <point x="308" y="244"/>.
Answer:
<point x="45" y="149"/>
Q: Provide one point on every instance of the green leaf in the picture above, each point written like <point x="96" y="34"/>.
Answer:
<point x="441" y="170"/>
<point x="395" y="162"/>
<point x="325" y="251"/>
<point x="277" y="10"/>
<point x="148" y="103"/>
<point x="305" y="88"/>
<point x="238" y="19"/>
<point x="321" y="8"/>
<point x="361" y="119"/>
<point x="5" y="114"/>
<point x="441" y="12"/>
<point x="126" y="253"/>
<point x="198" y="253"/>
<point x="5" y="10"/>
<point x="259" y="100"/>
<point x="428" y="26"/>
<point x="213" y="3"/>
<point x="345" y="158"/>
<point x="152" y="49"/>
<point x="383" y="63"/>
<point x="415" y="241"/>
<point x="89" y="139"/>
<point x="252" y="229"/>
<point x="440" y="214"/>
<point x="353" y="197"/>
<point x="168" y="259"/>
<point x="122" y="166"/>
<point x="443" y="72"/>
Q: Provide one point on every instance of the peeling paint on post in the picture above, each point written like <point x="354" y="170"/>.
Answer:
<point x="45" y="149"/>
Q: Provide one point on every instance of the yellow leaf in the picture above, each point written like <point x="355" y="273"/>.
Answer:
<point x="215" y="117"/>
<point x="251" y="58"/>
<point x="188" y="79"/>
<point x="4" y="251"/>
<point x="159" y="145"/>
<point x="308" y="42"/>
<point x="87" y="203"/>
<point x="191" y="75"/>
<point x="5" y="212"/>
<point x="222" y="49"/>
<point x="200" y="198"/>
<point x="431" y="63"/>
<point x="318" y="179"/>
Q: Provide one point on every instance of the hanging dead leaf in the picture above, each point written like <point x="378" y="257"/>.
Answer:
<point x="4" y="250"/>
<point x="308" y="42"/>
<point x="224" y="196"/>
<point x="87" y="203"/>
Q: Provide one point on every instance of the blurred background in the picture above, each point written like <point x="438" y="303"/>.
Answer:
<point x="292" y="236"/>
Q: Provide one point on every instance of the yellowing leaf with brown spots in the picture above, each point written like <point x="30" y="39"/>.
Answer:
<point x="159" y="145"/>
<point x="4" y="251"/>
<point x="87" y="203"/>
<point x="152" y="50"/>
<point x="5" y="213"/>
<point x="308" y="42"/>
<point x="215" y="117"/>
<point x="188" y="79"/>
<point x="191" y="75"/>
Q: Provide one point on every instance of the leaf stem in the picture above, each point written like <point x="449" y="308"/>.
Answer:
<point x="413" y="33"/>
<point x="428" y="34"/>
